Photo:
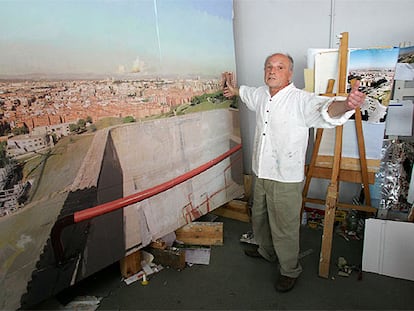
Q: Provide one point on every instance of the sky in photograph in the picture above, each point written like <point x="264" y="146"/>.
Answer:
<point x="116" y="37"/>
<point x="385" y="58"/>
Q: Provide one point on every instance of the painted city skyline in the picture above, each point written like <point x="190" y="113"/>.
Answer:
<point x="375" y="58"/>
<point x="130" y="39"/>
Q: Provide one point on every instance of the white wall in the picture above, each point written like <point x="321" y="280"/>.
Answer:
<point x="262" y="27"/>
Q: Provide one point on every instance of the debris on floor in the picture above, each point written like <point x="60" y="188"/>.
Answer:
<point x="248" y="237"/>
<point x="314" y="218"/>
<point x="187" y="246"/>
<point x="83" y="303"/>
<point x="345" y="269"/>
<point x="148" y="268"/>
<point x="144" y="280"/>
<point x="352" y="226"/>
<point x="197" y="255"/>
<point x="172" y="257"/>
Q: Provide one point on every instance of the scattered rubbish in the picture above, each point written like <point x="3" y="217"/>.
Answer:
<point x="313" y="224"/>
<point x="343" y="235"/>
<point x="352" y="221"/>
<point x="83" y="303"/>
<point x="148" y="268"/>
<point x="172" y="257"/>
<point x="146" y="257"/>
<point x="144" y="280"/>
<point x="314" y="219"/>
<point x="346" y="269"/>
<point x="151" y="269"/>
<point x="248" y="238"/>
<point x="160" y="244"/>
<point x="134" y="278"/>
<point x="351" y="227"/>
<point x="197" y="255"/>
<point x="169" y="239"/>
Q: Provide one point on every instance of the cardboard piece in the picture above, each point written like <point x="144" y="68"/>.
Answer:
<point x="399" y="120"/>
<point x="389" y="248"/>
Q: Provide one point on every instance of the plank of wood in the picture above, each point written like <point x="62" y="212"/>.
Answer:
<point x="362" y="208"/>
<point x="344" y="175"/>
<point x="235" y="209"/>
<point x="201" y="233"/>
<point x="347" y="163"/>
<point x="130" y="264"/>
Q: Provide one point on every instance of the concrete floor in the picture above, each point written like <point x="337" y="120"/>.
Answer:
<point x="233" y="281"/>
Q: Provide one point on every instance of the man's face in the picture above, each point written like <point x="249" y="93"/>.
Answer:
<point x="277" y="72"/>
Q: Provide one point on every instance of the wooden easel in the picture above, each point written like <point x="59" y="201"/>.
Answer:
<point x="339" y="169"/>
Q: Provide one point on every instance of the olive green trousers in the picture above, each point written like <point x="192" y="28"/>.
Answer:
<point x="276" y="223"/>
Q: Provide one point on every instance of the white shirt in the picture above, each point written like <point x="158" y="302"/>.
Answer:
<point x="282" y="129"/>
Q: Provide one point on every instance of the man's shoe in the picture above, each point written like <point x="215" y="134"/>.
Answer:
<point x="253" y="253"/>
<point x="285" y="283"/>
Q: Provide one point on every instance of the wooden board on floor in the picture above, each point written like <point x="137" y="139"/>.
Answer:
<point x="235" y="209"/>
<point x="201" y="233"/>
<point x="131" y="264"/>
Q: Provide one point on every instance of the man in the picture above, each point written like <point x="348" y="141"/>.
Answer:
<point x="284" y="115"/>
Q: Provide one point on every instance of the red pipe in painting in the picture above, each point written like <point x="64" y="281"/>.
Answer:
<point x="126" y="201"/>
<point x="140" y="196"/>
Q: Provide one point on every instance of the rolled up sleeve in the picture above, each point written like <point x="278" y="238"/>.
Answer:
<point x="335" y="121"/>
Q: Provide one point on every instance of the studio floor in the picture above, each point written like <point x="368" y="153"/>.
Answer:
<point x="233" y="281"/>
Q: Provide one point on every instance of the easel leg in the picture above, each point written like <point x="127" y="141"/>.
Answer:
<point x="328" y="226"/>
<point x="330" y="207"/>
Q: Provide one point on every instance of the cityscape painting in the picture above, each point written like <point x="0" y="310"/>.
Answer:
<point x="375" y="68"/>
<point x="114" y="132"/>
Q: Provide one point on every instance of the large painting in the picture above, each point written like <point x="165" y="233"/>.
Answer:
<point x="114" y="133"/>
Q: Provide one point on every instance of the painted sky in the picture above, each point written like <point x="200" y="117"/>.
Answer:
<point x="109" y="37"/>
<point x="385" y="58"/>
